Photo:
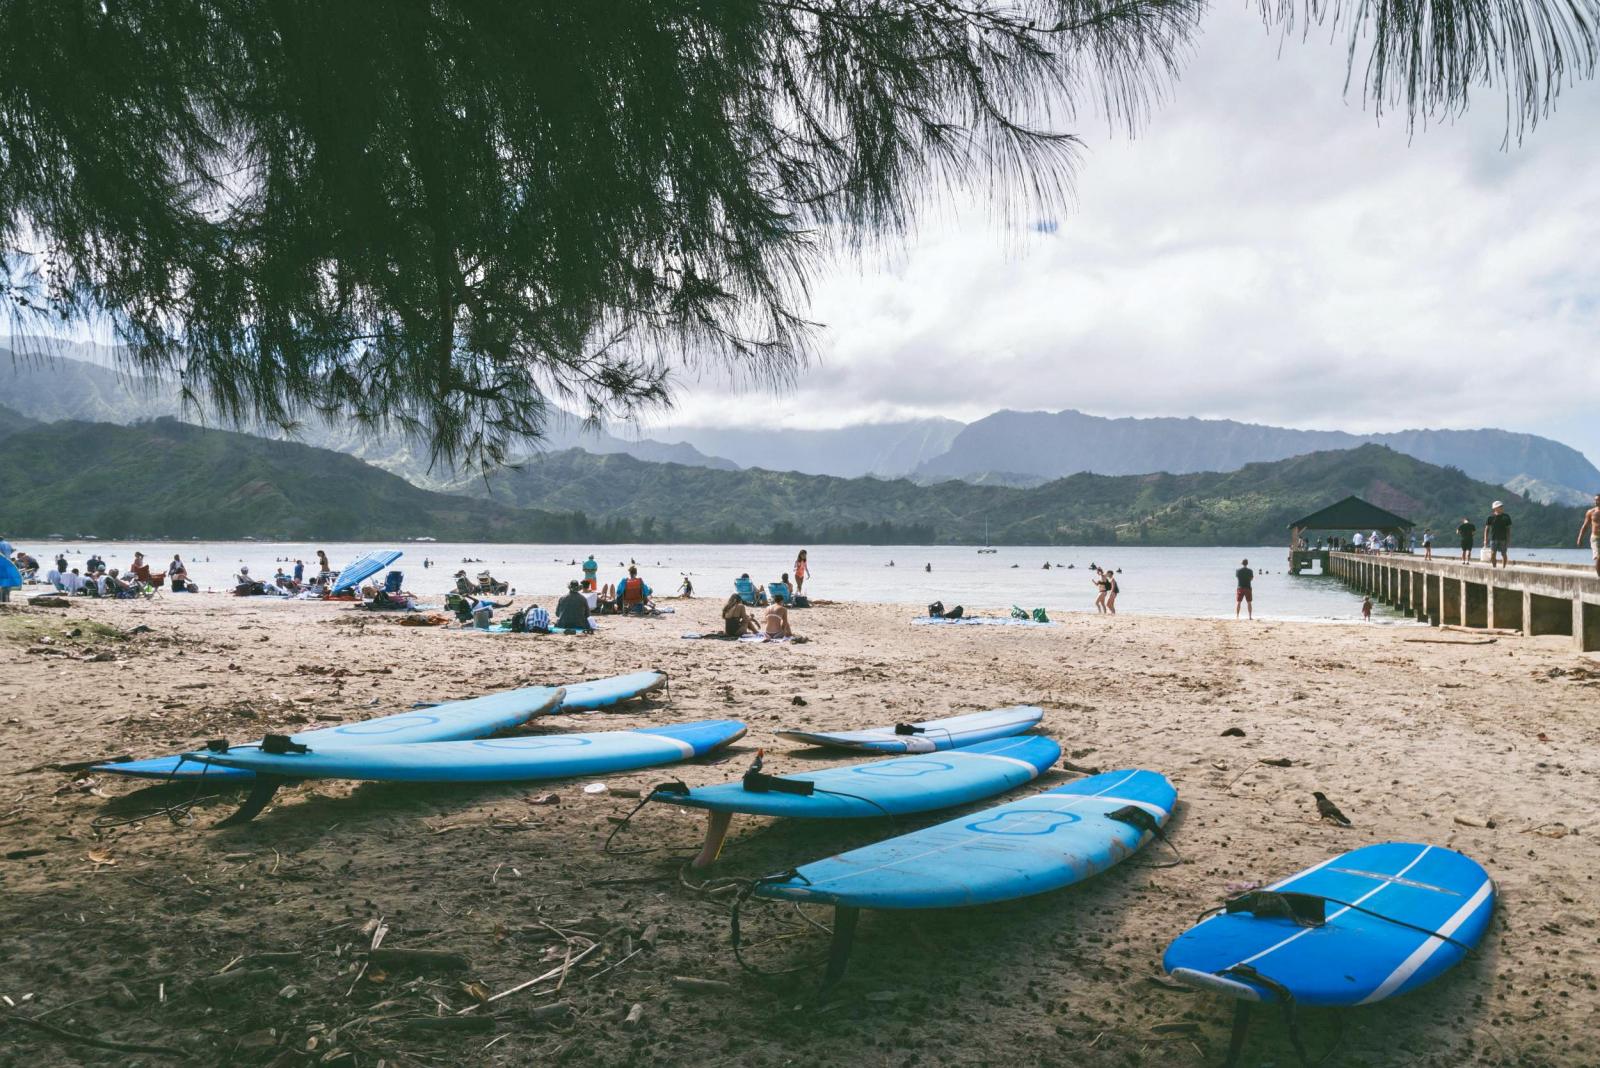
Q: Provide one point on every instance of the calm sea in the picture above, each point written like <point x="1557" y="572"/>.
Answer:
<point x="1196" y="582"/>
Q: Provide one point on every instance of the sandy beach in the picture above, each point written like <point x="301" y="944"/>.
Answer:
<point x="1491" y="749"/>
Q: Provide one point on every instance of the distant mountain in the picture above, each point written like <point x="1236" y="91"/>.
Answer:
<point x="1247" y="507"/>
<point x="13" y="421"/>
<point x="1055" y="444"/>
<point x="44" y="383"/>
<point x="1536" y="489"/>
<point x="884" y="449"/>
<point x="170" y="479"/>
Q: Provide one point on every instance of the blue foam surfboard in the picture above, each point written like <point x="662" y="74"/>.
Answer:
<point x="521" y="759"/>
<point x="477" y="717"/>
<point x="928" y="736"/>
<point x="895" y="787"/>
<point x="362" y="568"/>
<point x="1419" y="909"/>
<point x="604" y="693"/>
<point x="1039" y="843"/>
<point x="10" y="577"/>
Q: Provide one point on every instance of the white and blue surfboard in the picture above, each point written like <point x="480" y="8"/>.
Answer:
<point x="1039" y="843"/>
<point x="525" y="758"/>
<point x="895" y="787"/>
<point x="1395" y="916"/>
<point x="927" y="736"/>
<point x="605" y="693"/>
<point x="477" y="717"/>
<point x="362" y="568"/>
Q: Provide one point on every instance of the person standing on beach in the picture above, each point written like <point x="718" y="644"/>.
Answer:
<point x="591" y="573"/>
<point x="1112" y="589"/>
<point x="323" y="565"/>
<point x="1465" y="532"/>
<point x="802" y="571"/>
<point x="1591" y="523"/>
<point x="1497" y="535"/>
<point x="1243" y="594"/>
<point x="1101" y="588"/>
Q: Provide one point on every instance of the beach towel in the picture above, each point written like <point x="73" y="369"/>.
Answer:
<point x="990" y="621"/>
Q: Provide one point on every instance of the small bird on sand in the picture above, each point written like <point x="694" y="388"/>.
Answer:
<point x="1330" y="811"/>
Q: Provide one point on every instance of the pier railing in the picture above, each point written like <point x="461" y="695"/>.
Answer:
<point x="1533" y="598"/>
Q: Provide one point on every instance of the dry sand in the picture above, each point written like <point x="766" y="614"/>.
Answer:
<point x="1415" y="741"/>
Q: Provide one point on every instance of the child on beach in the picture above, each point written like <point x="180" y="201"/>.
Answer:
<point x="1366" y="609"/>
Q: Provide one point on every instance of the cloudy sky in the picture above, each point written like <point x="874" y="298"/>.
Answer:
<point x="1264" y="250"/>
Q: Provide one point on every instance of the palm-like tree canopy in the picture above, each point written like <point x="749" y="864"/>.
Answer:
<point x="444" y="214"/>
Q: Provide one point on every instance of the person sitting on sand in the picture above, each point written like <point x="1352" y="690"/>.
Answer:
<point x="736" y="621"/>
<point x="285" y="583"/>
<point x="572" y="611"/>
<point x="744" y="589"/>
<point x="632" y="593"/>
<point x="778" y="619"/>
<point x="72" y="582"/>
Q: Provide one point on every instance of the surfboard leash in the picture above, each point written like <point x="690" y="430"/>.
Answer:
<point x="1291" y="1018"/>
<point x="1310" y="910"/>
<point x="1139" y="819"/>
<point x="675" y="786"/>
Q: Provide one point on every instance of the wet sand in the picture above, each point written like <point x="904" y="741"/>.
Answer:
<point x="117" y="934"/>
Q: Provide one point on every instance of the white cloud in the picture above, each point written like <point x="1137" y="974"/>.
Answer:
<point x="1265" y="251"/>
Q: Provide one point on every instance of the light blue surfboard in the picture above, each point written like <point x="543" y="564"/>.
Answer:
<point x="928" y="736"/>
<point x="895" y="787"/>
<point x="604" y="693"/>
<point x="362" y="568"/>
<point x="477" y="717"/>
<point x="1039" y="843"/>
<point x="10" y="577"/>
<point x="1396" y="916"/>
<point x="520" y="759"/>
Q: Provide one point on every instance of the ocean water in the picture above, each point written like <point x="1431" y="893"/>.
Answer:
<point x="1193" y="582"/>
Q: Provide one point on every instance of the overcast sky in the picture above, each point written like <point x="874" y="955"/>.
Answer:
<point x="1265" y="250"/>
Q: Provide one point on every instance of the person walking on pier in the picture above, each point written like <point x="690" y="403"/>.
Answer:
<point x="1497" y="535"/>
<point x="1591" y="524"/>
<point x="1465" y="532"/>
<point x="1243" y="594"/>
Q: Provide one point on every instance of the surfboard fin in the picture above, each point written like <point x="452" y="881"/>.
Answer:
<point x="261" y="792"/>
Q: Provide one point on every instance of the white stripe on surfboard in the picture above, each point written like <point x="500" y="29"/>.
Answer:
<point x="1380" y="888"/>
<point x="1076" y="799"/>
<point x="685" y="747"/>
<point x="1429" y="947"/>
<point x="1031" y="769"/>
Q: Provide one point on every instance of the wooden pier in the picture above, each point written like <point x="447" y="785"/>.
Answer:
<point x="1534" y="598"/>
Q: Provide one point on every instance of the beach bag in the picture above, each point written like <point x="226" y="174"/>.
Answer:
<point x="1018" y="612"/>
<point x="955" y="613"/>
<point x="936" y="610"/>
<point x="1039" y="616"/>
<point x="1485" y="555"/>
<point x="519" y="621"/>
<point x="800" y="601"/>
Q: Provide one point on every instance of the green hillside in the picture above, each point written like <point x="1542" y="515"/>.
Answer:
<point x="1247" y="507"/>
<point x="170" y="479"/>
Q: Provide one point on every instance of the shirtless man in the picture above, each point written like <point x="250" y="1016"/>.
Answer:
<point x="1591" y="525"/>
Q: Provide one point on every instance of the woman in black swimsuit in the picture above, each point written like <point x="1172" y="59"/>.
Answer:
<point x="1112" y="589"/>
<point x="1103" y="586"/>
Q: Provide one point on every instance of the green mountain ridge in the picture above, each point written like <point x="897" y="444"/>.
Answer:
<point x="166" y="478"/>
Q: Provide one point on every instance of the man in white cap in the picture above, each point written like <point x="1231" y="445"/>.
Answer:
<point x="1497" y="535"/>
